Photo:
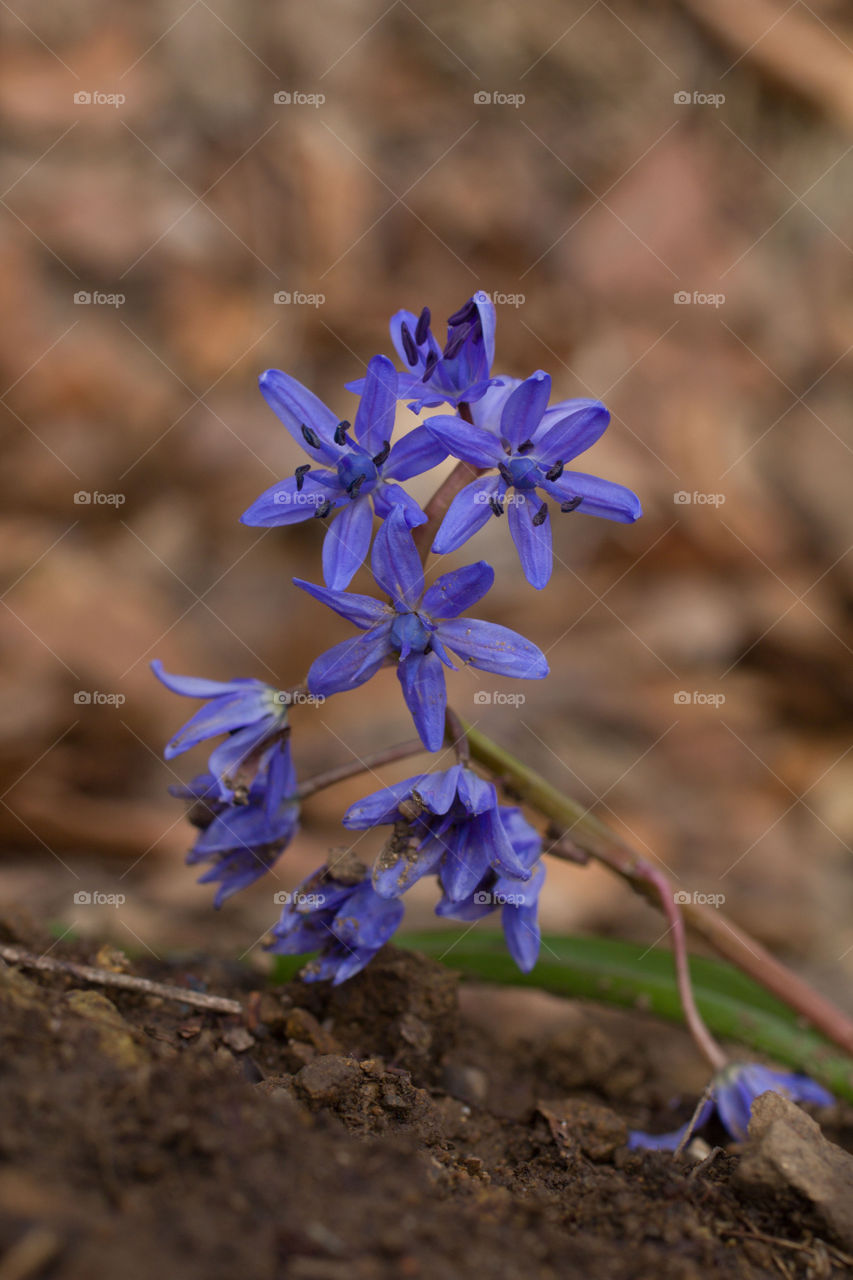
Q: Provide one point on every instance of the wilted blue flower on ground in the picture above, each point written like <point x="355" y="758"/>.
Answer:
<point x="448" y="823"/>
<point x="517" y="899"/>
<point x="337" y="912"/>
<point x="733" y="1092"/>
<point x="460" y="371"/>
<point x="242" y="841"/>
<point x="252" y="713"/>
<point x="355" y="476"/>
<point x="416" y="630"/>
<point x="530" y="446"/>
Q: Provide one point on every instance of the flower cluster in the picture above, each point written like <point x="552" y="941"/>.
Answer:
<point x="512" y="452"/>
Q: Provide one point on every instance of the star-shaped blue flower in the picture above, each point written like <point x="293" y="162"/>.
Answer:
<point x="355" y="477"/>
<point x="336" y="912"/>
<point x="733" y="1092"/>
<point x="518" y="899"/>
<point x="529" y="445"/>
<point x="416" y="629"/>
<point x="253" y="714"/>
<point x="448" y="823"/>
<point x="244" y="840"/>
<point x="460" y="371"/>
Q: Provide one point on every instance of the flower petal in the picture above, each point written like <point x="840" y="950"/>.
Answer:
<point x="463" y="440"/>
<point x="467" y="513"/>
<point x="524" y="408"/>
<point x="387" y="496"/>
<point x="491" y="647"/>
<point x="346" y="543"/>
<point x="422" y="678"/>
<point x="350" y="663"/>
<point x="532" y="541"/>
<point x="396" y="564"/>
<point x="559" y="439"/>
<point x="521" y="930"/>
<point x="417" y="452"/>
<point x="195" y="687"/>
<point x="364" y="611"/>
<point x="401" y="318"/>
<point x="600" y="497"/>
<point x="296" y="406"/>
<point x="454" y="592"/>
<point x="669" y="1141"/>
<point x="374" y="419"/>
<point x="287" y="502"/>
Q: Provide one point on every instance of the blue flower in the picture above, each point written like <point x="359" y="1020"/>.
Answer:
<point x="416" y="630"/>
<point x="336" y="912"/>
<point x="518" y="899"/>
<point x="448" y="823"/>
<point x="530" y="446"/>
<point x="732" y="1094"/>
<point x="357" y="476"/>
<point x="458" y="372"/>
<point x="244" y="840"/>
<point x="252" y="713"/>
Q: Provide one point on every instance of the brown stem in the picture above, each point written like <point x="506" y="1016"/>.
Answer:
<point x="454" y="732"/>
<point x="106" y="978"/>
<point x="353" y="767"/>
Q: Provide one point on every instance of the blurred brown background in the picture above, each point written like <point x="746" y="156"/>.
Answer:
<point x="660" y="197"/>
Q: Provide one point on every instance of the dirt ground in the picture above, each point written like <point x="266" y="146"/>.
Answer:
<point x="367" y="1132"/>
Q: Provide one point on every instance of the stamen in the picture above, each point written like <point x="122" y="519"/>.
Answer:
<point x="466" y="312"/>
<point x="323" y="511"/>
<point x="409" y="347"/>
<point x="431" y="362"/>
<point x="525" y="447"/>
<point x="571" y="505"/>
<point x="382" y="455"/>
<point x="496" y="505"/>
<point x="506" y="474"/>
<point x="554" y="473"/>
<point x="453" y="345"/>
<point x="422" y="329"/>
<point x="341" y="432"/>
<point x="541" y="515"/>
<point x="352" y="489"/>
<point x="311" y="437"/>
<point x="300" y="474"/>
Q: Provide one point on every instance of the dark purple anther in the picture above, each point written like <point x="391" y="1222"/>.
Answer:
<point x="300" y="473"/>
<point x="506" y="474"/>
<point x="311" y="437"/>
<point x="341" y="432"/>
<point x="555" y="472"/>
<point x="382" y="455"/>
<point x="466" y="312"/>
<point x="409" y="344"/>
<point x="422" y="330"/>
<point x="571" y="505"/>
<point x="496" y="505"/>
<point x="541" y="515"/>
<point x="323" y="511"/>
<point x="525" y="447"/>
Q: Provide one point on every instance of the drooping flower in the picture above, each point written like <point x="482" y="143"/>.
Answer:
<point x="518" y="899"/>
<point x="732" y="1094"/>
<point x="243" y="840"/>
<point x="253" y="714"/>
<point x="355" y="477"/>
<point x="530" y="446"/>
<point x="447" y="823"/>
<point x="460" y="371"/>
<point x="416" y="629"/>
<point x="337" y="912"/>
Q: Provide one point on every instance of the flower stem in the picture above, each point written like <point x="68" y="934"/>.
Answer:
<point x="354" y="767"/>
<point x="594" y="837"/>
<point x="436" y="509"/>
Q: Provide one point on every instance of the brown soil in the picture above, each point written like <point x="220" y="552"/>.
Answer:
<point x="362" y="1133"/>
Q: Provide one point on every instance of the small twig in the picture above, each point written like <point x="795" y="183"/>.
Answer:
<point x="694" y="1120"/>
<point x="454" y="733"/>
<point x="105" y="978"/>
<point x="354" y="767"/>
